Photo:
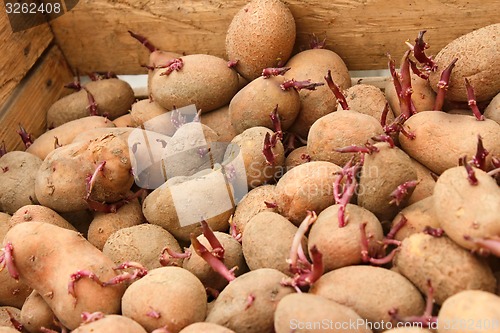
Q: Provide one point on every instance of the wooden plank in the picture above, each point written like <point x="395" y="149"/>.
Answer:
<point x="19" y="53"/>
<point x="29" y="103"/>
<point x="94" y="36"/>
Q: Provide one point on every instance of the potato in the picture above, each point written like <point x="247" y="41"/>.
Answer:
<point x="492" y="111"/>
<point x="307" y="313"/>
<point x="37" y="213"/>
<point x="46" y="256"/>
<point x="105" y="224"/>
<point x="429" y="147"/>
<point x="425" y="185"/>
<point x="12" y="293"/>
<point x="267" y="242"/>
<point x="149" y="115"/>
<point x="314" y="65"/>
<point x="173" y="293"/>
<point x="45" y="143"/>
<point x="365" y="290"/>
<point x="123" y="121"/>
<point x="179" y="205"/>
<point x="450" y="268"/>
<point x="95" y="133"/>
<point x="260" y="35"/>
<point x="36" y="314"/>
<point x="206" y="328"/>
<point x="423" y="97"/>
<point x="80" y="219"/>
<point x="204" y="80"/>
<point x="5" y="318"/>
<point x="253" y="203"/>
<point x="306" y="187"/>
<point x="478" y="61"/>
<point x="253" y="105"/>
<point x="337" y="130"/>
<point x="245" y="154"/>
<point x="470" y="310"/>
<point x="297" y="157"/>
<point x="112" y="96"/>
<point x="5" y="329"/>
<point x="233" y="257"/>
<point x="342" y="246"/>
<point x="17" y="178"/>
<point x="367" y="99"/>
<point x="4" y="224"/>
<point x="62" y="179"/>
<point x="381" y="174"/>
<point x="140" y="243"/>
<point x="464" y="210"/>
<point x="419" y="215"/>
<point x="248" y="303"/>
<point x="111" y="324"/>
<point x="219" y="121"/>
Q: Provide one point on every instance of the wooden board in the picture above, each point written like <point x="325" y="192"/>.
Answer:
<point x="93" y="36"/>
<point x="29" y="102"/>
<point x="19" y="52"/>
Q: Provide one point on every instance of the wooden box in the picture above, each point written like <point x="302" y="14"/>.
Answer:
<point x="36" y="63"/>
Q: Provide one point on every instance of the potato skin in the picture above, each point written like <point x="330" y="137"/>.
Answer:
<point x="111" y="324"/>
<point x="104" y="225"/>
<point x="450" y="268"/>
<point x="253" y="105"/>
<point x="297" y="157"/>
<point x="423" y="97"/>
<point x="306" y="187"/>
<point x="204" y="80"/>
<point x="313" y="65"/>
<point x="5" y="318"/>
<point x="140" y="243"/>
<point x="219" y="121"/>
<point x="95" y="133"/>
<point x="478" y="61"/>
<point x="381" y="174"/>
<point x="425" y="185"/>
<point x="232" y="310"/>
<point x="337" y="130"/>
<point x="174" y="292"/>
<point x="36" y="313"/>
<point x="365" y="290"/>
<point x="430" y="129"/>
<point x="267" y="242"/>
<point x="13" y="293"/>
<point x="65" y="134"/>
<point x="475" y="306"/>
<point x="17" y="180"/>
<point x="311" y="309"/>
<point x="46" y="255"/>
<point x="466" y="210"/>
<point x="342" y="246"/>
<point x="206" y="328"/>
<point x="260" y="34"/>
<point x="419" y="215"/>
<point x="252" y="204"/>
<point x="367" y="99"/>
<point x="113" y="97"/>
<point x="492" y="111"/>
<point x="37" y="213"/>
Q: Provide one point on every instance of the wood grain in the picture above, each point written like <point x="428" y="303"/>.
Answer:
<point x="29" y="102"/>
<point x="19" y="53"/>
<point x="94" y="35"/>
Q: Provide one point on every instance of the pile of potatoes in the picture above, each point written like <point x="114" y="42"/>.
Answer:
<point x="244" y="195"/>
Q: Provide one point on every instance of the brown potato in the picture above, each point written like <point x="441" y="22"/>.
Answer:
<point x="174" y="293"/>
<point x="17" y="180"/>
<point x="307" y="313"/>
<point x="219" y="121"/>
<point x="342" y="246"/>
<point x="36" y="314"/>
<point x="492" y="111"/>
<point x="248" y="303"/>
<point x="149" y="115"/>
<point x="419" y="215"/>
<point x="123" y="121"/>
<point x="111" y="324"/>
<point x="12" y="293"/>
<point x="337" y="130"/>
<point x="253" y="203"/>
<point x="5" y="318"/>
<point x="204" y="80"/>
<point x="478" y="60"/>
<point x="206" y="328"/>
<point x="112" y="96"/>
<point x="260" y="35"/>
<point x="306" y="187"/>
<point x="297" y="157"/>
<point x="92" y="134"/>
<point x="314" y="65"/>
<point x="367" y="99"/>
<point x="365" y="290"/>
<point x="253" y="105"/>
<point x="425" y="185"/>
<point x="37" y="213"/>
<point x="450" y="268"/>
<point x="140" y="243"/>
<point x="423" y="96"/>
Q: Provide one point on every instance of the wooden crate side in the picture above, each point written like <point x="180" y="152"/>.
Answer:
<point x="94" y="35"/>
<point x="19" y="53"/>
<point x="29" y="102"/>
